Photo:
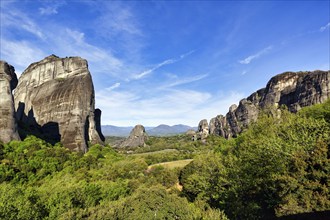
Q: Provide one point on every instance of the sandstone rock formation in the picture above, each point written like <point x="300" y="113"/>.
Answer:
<point x="192" y="134"/>
<point x="56" y="96"/>
<point x="8" y="82"/>
<point x="137" y="137"/>
<point x="202" y="130"/>
<point x="292" y="89"/>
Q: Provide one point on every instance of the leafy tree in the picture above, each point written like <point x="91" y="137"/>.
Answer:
<point x="20" y="203"/>
<point x="155" y="203"/>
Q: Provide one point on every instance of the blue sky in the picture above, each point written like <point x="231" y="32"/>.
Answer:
<point x="169" y="62"/>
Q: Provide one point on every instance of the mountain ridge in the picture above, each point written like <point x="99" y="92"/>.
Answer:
<point x="160" y="130"/>
<point x="291" y="89"/>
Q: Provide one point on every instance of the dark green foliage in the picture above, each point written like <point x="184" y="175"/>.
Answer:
<point x="155" y="203"/>
<point x="181" y="143"/>
<point x="41" y="181"/>
<point x="279" y="166"/>
<point x="319" y="111"/>
<point x="163" y="176"/>
<point x="18" y="203"/>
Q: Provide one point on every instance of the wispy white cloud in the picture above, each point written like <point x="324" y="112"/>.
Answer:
<point x="114" y="86"/>
<point x="20" y="53"/>
<point x="174" y="107"/>
<point x="183" y="81"/>
<point x="187" y="54"/>
<point x="255" y="56"/>
<point x="68" y="42"/>
<point x="159" y="65"/>
<point x="77" y="37"/>
<point x="117" y="18"/>
<point x="323" y="28"/>
<point x="19" y="20"/>
<point x="48" y="10"/>
<point x="51" y="7"/>
<point x="73" y="42"/>
<point x="149" y="71"/>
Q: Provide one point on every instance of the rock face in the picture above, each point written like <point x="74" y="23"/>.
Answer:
<point x="8" y="82"/>
<point x="202" y="130"/>
<point x="292" y="89"/>
<point x="56" y="97"/>
<point x="137" y="137"/>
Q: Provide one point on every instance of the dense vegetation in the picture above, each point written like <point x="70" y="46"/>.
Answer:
<point x="277" y="167"/>
<point x="41" y="181"/>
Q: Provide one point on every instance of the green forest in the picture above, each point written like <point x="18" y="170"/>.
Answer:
<point x="279" y="166"/>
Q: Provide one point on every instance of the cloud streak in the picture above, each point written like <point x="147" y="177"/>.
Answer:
<point x="149" y="71"/>
<point x="255" y="56"/>
<point x="186" y="80"/>
<point x="114" y="86"/>
<point x="327" y="26"/>
<point x="174" y="107"/>
<point x="51" y="7"/>
<point x="20" y="53"/>
<point x="117" y="18"/>
<point x="159" y="65"/>
<point x="18" y="20"/>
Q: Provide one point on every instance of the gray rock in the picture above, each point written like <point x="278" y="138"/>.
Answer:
<point x="137" y="138"/>
<point x="212" y="127"/>
<point x="8" y="82"/>
<point x="56" y="95"/>
<point x="191" y="132"/>
<point x="220" y="126"/>
<point x="292" y="89"/>
<point x="202" y="130"/>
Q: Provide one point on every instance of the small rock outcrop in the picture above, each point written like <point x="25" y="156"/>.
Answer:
<point x="137" y="138"/>
<point x="55" y="97"/>
<point x="8" y="82"/>
<point x="292" y="89"/>
<point x="192" y="134"/>
<point x="202" y="130"/>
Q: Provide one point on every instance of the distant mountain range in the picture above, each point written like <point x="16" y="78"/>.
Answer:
<point x="160" y="130"/>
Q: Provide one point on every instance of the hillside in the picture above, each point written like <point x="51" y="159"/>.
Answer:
<point x="165" y="130"/>
<point x="277" y="168"/>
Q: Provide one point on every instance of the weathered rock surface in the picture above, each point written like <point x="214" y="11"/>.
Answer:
<point x="8" y="82"/>
<point x="56" y="96"/>
<point x="292" y="89"/>
<point x="202" y="130"/>
<point x="191" y="132"/>
<point x="137" y="137"/>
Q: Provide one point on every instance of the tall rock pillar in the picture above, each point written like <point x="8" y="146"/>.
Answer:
<point x="57" y="95"/>
<point x="8" y="82"/>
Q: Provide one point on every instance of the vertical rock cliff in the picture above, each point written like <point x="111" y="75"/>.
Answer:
<point x="56" y="96"/>
<point x="8" y="82"/>
<point x="292" y="89"/>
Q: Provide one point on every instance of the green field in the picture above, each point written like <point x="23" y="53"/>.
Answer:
<point x="172" y="164"/>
